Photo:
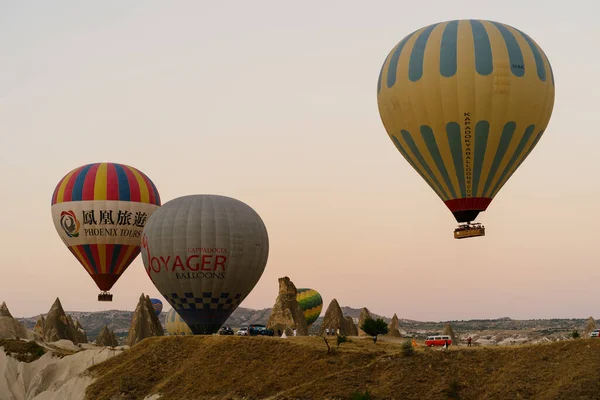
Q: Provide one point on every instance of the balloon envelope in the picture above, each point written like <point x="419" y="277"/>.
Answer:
<point x="175" y="325"/>
<point x="465" y="102"/>
<point x="157" y="305"/>
<point x="311" y="304"/>
<point x="99" y="211"/>
<point x="205" y="253"/>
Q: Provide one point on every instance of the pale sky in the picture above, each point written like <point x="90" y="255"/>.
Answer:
<point x="274" y="103"/>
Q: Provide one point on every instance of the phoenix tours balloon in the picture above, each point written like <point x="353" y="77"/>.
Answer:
<point x="311" y="304"/>
<point x="465" y="102"/>
<point x="157" y="305"/>
<point x="176" y="326"/>
<point x="99" y="211"/>
<point x="205" y="254"/>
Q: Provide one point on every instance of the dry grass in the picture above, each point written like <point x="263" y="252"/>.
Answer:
<point x="225" y="367"/>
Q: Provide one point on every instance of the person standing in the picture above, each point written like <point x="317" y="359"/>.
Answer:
<point x="469" y="341"/>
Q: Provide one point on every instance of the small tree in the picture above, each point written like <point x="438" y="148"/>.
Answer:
<point x="374" y="327"/>
<point x="407" y="348"/>
<point x="341" y="339"/>
<point x="575" y="334"/>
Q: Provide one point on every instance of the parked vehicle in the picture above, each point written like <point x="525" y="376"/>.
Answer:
<point x="258" y="329"/>
<point x="242" y="331"/>
<point x="595" y="333"/>
<point x="226" y="330"/>
<point x="438" y="340"/>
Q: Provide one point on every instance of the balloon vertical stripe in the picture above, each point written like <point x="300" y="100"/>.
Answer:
<point x="417" y="55"/>
<point x="505" y="139"/>
<point x="533" y="144"/>
<point x="402" y="150"/>
<point x="123" y="182"/>
<point x="419" y="157"/>
<point x="134" y="187"/>
<point x="539" y="63"/>
<point x="514" y="50"/>
<point x="482" y="131"/>
<point x="144" y="196"/>
<point x="524" y="140"/>
<point x="393" y="67"/>
<point x="484" y="62"/>
<point x="101" y="181"/>
<point x="434" y="152"/>
<point x="448" y="50"/>
<point x="89" y="183"/>
<point x="453" y="131"/>
<point x="115" y="252"/>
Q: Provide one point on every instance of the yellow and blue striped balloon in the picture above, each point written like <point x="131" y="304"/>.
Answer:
<point x="311" y="304"/>
<point x="175" y="325"/>
<point x="465" y="102"/>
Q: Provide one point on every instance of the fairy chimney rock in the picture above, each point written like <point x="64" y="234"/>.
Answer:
<point x="364" y="314"/>
<point x="57" y="325"/>
<point x="393" y="327"/>
<point x="287" y="315"/>
<point x="449" y="331"/>
<point x="10" y="328"/>
<point x="145" y="323"/>
<point x="106" y="337"/>
<point x="4" y="310"/>
<point x="590" y="325"/>
<point x="334" y="319"/>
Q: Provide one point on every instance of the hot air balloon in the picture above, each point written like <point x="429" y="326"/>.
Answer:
<point x="465" y="102"/>
<point x="157" y="305"/>
<point x="99" y="211"/>
<point x="175" y="325"/>
<point x="205" y="253"/>
<point x="310" y="303"/>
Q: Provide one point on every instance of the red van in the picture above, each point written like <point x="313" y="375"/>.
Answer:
<point x="437" y="340"/>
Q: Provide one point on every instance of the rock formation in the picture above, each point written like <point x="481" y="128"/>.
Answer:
<point x="144" y="323"/>
<point x="57" y="325"/>
<point x="81" y="332"/>
<point x="450" y="332"/>
<point x="106" y="337"/>
<point x="287" y="315"/>
<point x="334" y="319"/>
<point x="364" y="314"/>
<point x="590" y="325"/>
<point x="393" y="327"/>
<point x="10" y="328"/>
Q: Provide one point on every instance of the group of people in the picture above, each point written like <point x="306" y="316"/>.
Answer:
<point x="331" y="332"/>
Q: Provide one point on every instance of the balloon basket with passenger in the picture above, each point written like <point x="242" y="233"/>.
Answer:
<point x="468" y="230"/>
<point x="105" y="296"/>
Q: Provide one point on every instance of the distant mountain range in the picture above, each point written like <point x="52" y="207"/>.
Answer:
<point x="119" y="321"/>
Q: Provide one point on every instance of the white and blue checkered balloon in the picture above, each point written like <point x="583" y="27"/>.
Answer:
<point x="205" y="254"/>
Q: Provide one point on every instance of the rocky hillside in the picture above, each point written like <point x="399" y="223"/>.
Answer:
<point x="489" y="331"/>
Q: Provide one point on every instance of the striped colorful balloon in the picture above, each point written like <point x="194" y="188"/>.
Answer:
<point x="99" y="211"/>
<point x="311" y="304"/>
<point x="465" y="102"/>
<point x="157" y="305"/>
